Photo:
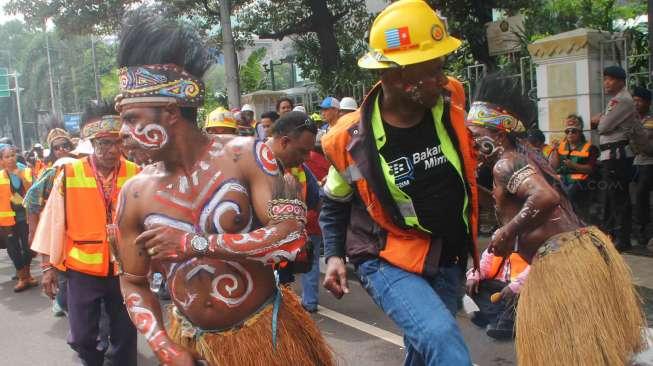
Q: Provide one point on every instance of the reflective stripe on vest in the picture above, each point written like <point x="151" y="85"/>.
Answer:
<point x="577" y="156"/>
<point x="403" y="200"/>
<point x="87" y="248"/>
<point x="406" y="248"/>
<point x="300" y="175"/>
<point x="7" y="214"/>
<point x="336" y="187"/>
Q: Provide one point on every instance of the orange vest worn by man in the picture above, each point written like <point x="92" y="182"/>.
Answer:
<point x="72" y="232"/>
<point x="400" y="198"/>
<point x="87" y="248"/>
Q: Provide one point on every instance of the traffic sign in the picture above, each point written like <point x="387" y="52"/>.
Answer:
<point x="4" y="83"/>
<point x="71" y="121"/>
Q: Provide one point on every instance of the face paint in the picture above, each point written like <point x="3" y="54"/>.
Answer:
<point x="488" y="148"/>
<point x="150" y="136"/>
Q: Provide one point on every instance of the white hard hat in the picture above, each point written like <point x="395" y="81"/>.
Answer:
<point x="299" y="108"/>
<point x="349" y="104"/>
<point x="246" y="108"/>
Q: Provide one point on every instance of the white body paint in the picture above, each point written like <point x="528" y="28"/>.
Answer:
<point x="235" y="284"/>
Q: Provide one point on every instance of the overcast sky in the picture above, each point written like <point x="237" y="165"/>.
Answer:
<point x="3" y="16"/>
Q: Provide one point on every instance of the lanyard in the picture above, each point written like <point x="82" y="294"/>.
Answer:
<point x="99" y="183"/>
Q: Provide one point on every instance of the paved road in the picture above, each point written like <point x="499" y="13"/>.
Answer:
<point x="358" y="332"/>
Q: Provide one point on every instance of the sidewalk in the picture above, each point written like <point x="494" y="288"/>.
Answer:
<point x="642" y="269"/>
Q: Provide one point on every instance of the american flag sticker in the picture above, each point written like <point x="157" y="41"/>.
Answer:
<point x="397" y="37"/>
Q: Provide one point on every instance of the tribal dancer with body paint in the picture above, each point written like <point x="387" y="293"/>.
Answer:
<point x="578" y="306"/>
<point x="212" y="213"/>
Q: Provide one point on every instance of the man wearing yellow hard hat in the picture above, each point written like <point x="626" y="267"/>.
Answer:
<point x="220" y="121"/>
<point x="400" y="199"/>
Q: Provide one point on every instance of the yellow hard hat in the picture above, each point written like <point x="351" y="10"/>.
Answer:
<point x="220" y="117"/>
<point x="407" y="32"/>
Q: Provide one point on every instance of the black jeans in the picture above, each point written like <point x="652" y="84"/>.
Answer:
<point x="579" y="195"/>
<point x="490" y="312"/>
<point x="85" y="297"/>
<point x="642" y="196"/>
<point x="616" y="175"/>
<point x="18" y="245"/>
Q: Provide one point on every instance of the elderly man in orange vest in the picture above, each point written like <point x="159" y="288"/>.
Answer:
<point x="401" y="199"/>
<point x="73" y="233"/>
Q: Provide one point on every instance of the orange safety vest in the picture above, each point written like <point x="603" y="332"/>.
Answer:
<point x="577" y="156"/>
<point x="408" y="248"/>
<point x="87" y="248"/>
<point x="7" y="214"/>
<point x="515" y="265"/>
<point x="40" y="166"/>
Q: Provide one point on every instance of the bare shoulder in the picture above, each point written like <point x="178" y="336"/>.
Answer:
<point x="508" y="165"/>
<point x="253" y="153"/>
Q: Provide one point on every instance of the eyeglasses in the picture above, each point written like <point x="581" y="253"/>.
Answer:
<point x="308" y="124"/>
<point x="571" y="132"/>
<point x="66" y="147"/>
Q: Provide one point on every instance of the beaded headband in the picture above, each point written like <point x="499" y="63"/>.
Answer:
<point x="159" y="85"/>
<point x="57" y="133"/>
<point x="493" y="116"/>
<point x="107" y="126"/>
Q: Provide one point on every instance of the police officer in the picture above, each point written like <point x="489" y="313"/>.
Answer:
<point x="644" y="163"/>
<point x="614" y="126"/>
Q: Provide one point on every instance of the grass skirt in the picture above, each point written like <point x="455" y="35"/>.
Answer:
<point x="299" y="342"/>
<point x="578" y="305"/>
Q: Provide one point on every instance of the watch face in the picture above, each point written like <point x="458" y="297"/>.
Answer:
<point x="199" y="243"/>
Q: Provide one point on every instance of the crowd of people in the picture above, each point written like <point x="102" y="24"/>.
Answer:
<point x="146" y="206"/>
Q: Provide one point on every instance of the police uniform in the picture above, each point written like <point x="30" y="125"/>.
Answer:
<point x="616" y="157"/>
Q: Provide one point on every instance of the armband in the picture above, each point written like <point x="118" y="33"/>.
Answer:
<point x="284" y="209"/>
<point x="518" y="178"/>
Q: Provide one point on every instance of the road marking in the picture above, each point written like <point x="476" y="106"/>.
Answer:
<point x="363" y="327"/>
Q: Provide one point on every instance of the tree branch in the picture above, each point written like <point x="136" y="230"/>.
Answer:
<point x="211" y="12"/>
<point x="299" y="28"/>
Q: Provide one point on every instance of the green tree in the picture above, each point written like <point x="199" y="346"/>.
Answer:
<point x="251" y="73"/>
<point x="328" y="36"/>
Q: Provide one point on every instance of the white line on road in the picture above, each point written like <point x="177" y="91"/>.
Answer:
<point x="363" y="327"/>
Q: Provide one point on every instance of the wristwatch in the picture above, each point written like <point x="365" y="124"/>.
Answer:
<point x="199" y="244"/>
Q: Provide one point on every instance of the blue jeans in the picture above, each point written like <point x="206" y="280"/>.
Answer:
<point x="423" y="308"/>
<point x="311" y="279"/>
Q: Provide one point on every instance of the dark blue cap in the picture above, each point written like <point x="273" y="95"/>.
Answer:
<point x="615" y="71"/>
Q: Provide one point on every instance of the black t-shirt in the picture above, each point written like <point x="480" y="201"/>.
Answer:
<point x="422" y="171"/>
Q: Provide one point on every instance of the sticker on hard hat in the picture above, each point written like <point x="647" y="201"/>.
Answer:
<point x="397" y="37"/>
<point x="437" y="32"/>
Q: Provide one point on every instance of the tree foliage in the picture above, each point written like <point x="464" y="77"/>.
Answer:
<point x="252" y="75"/>
<point x="72" y="71"/>
<point x="328" y="36"/>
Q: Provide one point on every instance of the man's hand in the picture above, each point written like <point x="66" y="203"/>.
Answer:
<point x="181" y="358"/>
<point x="471" y="287"/>
<point x="165" y="243"/>
<point x="335" y="278"/>
<point x="594" y="121"/>
<point x="170" y="353"/>
<point x="49" y="283"/>
<point x="502" y="242"/>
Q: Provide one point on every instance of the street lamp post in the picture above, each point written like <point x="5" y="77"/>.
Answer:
<point x="47" y="49"/>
